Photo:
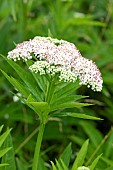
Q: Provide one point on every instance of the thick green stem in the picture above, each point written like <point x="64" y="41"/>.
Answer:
<point x="37" y="148"/>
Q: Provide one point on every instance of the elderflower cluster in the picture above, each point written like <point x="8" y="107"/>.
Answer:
<point x="60" y="57"/>
<point x="43" y="67"/>
<point x="83" y="168"/>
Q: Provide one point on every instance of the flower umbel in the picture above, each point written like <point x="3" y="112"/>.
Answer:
<point x="59" y="57"/>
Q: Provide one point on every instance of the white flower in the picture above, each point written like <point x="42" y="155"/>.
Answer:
<point x="16" y="97"/>
<point x="58" y="57"/>
<point x="83" y="168"/>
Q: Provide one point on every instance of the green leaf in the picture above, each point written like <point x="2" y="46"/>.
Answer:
<point x="94" y="135"/>
<point x="68" y="105"/>
<point x="67" y="99"/>
<point x="67" y="88"/>
<point x="40" y="106"/>
<point x="1" y="127"/>
<point x="63" y="165"/>
<point x="94" y="163"/>
<point x="12" y="5"/>
<point x="53" y="166"/>
<point x="108" y="146"/>
<point x="40" y="79"/>
<point x="110" y="168"/>
<point x="4" y="151"/>
<point x="58" y="165"/>
<point x="27" y="78"/>
<point x="17" y="85"/>
<point x="42" y="164"/>
<point x="81" y="156"/>
<point x="4" y="136"/>
<point x="42" y="109"/>
<point x="76" y="139"/>
<point x="21" y="165"/>
<point x="9" y="156"/>
<point x="82" y="116"/>
<point x="30" y="99"/>
<point x="1" y="165"/>
<point x="107" y="161"/>
<point x="66" y="155"/>
<point x="84" y="21"/>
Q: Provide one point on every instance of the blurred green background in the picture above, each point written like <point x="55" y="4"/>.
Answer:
<point x="89" y="25"/>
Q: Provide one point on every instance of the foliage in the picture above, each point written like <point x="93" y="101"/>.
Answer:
<point x="79" y="161"/>
<point x="6" y="154"/>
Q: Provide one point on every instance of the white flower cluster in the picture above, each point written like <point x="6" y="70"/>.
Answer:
<point x="43" y="67"/>
<point x="58" y="56"/>
<point x="83" y="168"/>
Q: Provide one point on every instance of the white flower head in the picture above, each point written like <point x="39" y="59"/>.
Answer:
<point x="55" y="56"/>
<point x="83" y="168"/>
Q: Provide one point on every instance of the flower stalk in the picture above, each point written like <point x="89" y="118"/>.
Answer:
<point x="50" y="92"/>
<point x="43" y="121"/>
<point x="37" y="147"/>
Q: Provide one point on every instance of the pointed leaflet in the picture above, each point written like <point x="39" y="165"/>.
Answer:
<point x="68" y="105"/>
<point x="17" y="85"/>
<point x="1" y="165"/>
<point x="108" y="145"/>
<point x="81" y="156"/>
<point x="40" y="79"/>
<point x="26" y="77"/>
<point x="76" y="139"/>
<point x="94" y="163"/>
<point x="82" y="116"/>
<point x="30" y="99"/>
<point x="40" y="106"/>
<point x="4" y="151"/>
<point x="53" y="166"/>
<point x="68" y="88"/>
<point x="93" y="134"/>
<point x="4" y="136"/>
<point x="75" y="115"/>
<point x="42" y="109"/>
<point x="66" y="155"/>
<point x="84" y="21"/>
<point x="58" y="165"/>
<point x="36" y="107"/>
<point x="108" y="161"/>
<point x="1" y="127"/>
<point x="67" y="99"/>
<point x="9" y="156"/>
<point x="21" y="165"/>
<point x="63" y="165"/>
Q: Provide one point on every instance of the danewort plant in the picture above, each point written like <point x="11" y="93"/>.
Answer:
<point x="55" y="71"/>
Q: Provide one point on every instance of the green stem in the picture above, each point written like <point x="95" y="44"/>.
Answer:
<point x="50" y="92"/>
<point x="43" y="119"/>
<point x="37" y="148"/>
